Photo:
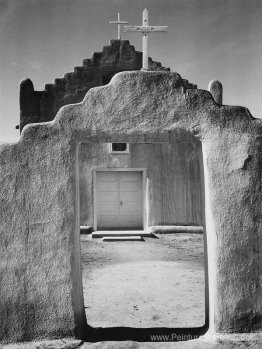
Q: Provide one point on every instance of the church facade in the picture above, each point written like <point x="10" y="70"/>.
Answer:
<point x="122" y="185"/>
<point x="147" y="184"/>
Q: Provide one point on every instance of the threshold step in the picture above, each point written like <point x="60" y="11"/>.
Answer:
<point x="123" y="238"/>
<point x="121" y="233"/>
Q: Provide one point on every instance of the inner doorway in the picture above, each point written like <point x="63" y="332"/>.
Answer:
<point x="118" y="199"/>
<point x="169" y="267"/>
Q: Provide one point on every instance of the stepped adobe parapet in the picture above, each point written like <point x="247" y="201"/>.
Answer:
<point x="118" y="56"/>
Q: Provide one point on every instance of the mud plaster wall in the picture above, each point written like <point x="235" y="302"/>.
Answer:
<point x="41" y="289"/>
<point x="41" y="106"/>
<point x="173" y="173"/>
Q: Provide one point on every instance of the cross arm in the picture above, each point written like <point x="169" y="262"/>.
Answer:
<point x="118" y="22"/>
<point x="132" y="28"/>
<point x="145" y="29"/>
<point x="157" y="28"/>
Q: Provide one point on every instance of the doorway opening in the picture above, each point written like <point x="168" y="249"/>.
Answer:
<point x="155" y="283"/>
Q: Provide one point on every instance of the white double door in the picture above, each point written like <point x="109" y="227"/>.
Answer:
<point x="119" y="199"/>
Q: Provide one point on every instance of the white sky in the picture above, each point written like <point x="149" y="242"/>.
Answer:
<point x="206" y="39"/>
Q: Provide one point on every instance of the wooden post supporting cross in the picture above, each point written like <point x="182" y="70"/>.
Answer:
<point x="145" y="29"/>
<point x="118" y="22"/>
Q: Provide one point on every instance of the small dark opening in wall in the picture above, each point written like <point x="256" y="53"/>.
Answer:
<point x="119" y="146"/>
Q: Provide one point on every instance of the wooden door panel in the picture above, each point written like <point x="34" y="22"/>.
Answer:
<point x="130" y="194"/>
<point x="108" y="186"/>
<point x="108" y="196"/>
<point x="108" y="221"/>
<point x="130" y="207"/>
<point x="107" y="176"/>
<point x="131" y="221"/>
<point x="130" y="186"/>
<point x="129" y="176"/>
<point x="107" y="200"/>
<point x="119" y="199"/>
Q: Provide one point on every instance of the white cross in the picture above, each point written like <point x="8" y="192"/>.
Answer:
<point x="118" y="22"/>
<point x="145" y="29"/>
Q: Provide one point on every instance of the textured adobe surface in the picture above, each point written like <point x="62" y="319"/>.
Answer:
<point x="41" y="288"/>
<point x="216" y="89"/>
<point x="40" y="106"/>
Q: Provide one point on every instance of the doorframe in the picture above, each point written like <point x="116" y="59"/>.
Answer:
<point x="121" y="169"/>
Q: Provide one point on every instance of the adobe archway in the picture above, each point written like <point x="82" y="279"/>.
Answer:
<point x="38" y="191"/>
<point x="97" y="158"/>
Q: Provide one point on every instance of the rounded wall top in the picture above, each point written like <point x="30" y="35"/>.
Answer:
<point x="215" y="87"/>
<point x="26" y="84"/>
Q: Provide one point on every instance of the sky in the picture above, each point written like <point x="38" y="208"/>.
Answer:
<point x="206" y="39"/>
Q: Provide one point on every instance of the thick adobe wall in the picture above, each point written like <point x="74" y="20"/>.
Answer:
<point x="41" y="106"/>
<point x="233" y="166"/>
<point x="41" y="287"/>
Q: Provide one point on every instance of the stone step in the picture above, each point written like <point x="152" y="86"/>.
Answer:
<point x="123" y="238"/>
<point x="121" y="233"/>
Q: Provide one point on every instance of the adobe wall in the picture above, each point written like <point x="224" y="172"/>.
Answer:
<point x="41" y="288"/>
<point x="41" y="106"/>
<point x="174" y="184"/>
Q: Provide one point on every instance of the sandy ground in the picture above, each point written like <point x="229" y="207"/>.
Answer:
<point x="155" y="283"/>
<point x="237" y="341"/>
<point x="175" y="262"/>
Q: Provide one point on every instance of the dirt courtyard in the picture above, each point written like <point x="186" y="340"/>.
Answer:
<point x="153" y="283"/>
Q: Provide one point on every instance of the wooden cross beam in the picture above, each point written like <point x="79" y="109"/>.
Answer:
<point x="145" y="29"/>
<point x="118" y="22"/>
